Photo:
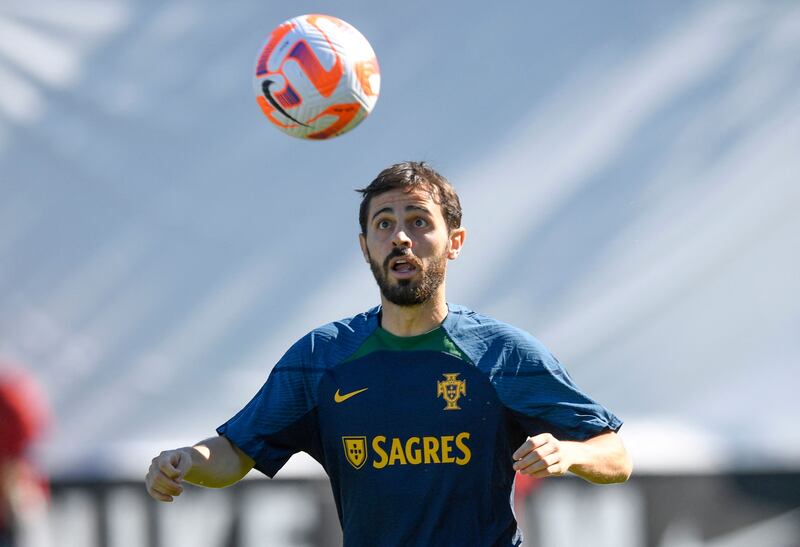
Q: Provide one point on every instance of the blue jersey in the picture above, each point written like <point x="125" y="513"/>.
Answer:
<point x="416" y="433"/>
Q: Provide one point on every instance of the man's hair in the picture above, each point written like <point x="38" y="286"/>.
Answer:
<point x="408" y="176"/>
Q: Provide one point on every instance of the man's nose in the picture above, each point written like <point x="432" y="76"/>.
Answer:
<point x="401" y="239"/>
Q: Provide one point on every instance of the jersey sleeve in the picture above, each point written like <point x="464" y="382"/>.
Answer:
<point x="528" y="379"/>
<point x="543" y="398"/>
<point x="282" y="417"/>
<point x="279" y="421"/>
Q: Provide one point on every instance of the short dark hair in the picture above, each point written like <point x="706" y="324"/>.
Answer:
<point x="407" y="176"/>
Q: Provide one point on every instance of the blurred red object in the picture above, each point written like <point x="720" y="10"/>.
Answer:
<point x="23" y="412"/>
<point x="24" y="416"/>
<point x="523" y="486"/>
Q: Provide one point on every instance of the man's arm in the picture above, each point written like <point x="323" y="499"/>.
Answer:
<point x="602" y="459"/>
<point x="214" y="463"/>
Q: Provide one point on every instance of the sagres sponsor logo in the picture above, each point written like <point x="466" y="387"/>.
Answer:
<point x="422" y="450"/>
<point x="451" y="388"/>
<point x="355" y="450"/>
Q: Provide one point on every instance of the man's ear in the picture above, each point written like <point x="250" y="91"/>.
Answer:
<point x="362" y="240"/>
<point x="457" y="238"/>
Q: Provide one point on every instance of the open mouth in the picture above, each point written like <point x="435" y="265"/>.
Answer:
<point x="403" y="267"/>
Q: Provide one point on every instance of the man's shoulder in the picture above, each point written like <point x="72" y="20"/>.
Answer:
<point x="481" y="335"/>
<point x="332" y="342"/>
<point x="355" y="326"/>
<point x="465" y="320"/>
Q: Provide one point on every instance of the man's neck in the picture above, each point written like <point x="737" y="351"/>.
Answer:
<point x="413" y="320"/>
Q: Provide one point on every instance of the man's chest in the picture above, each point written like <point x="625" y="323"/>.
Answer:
<point x="406" y="409"/>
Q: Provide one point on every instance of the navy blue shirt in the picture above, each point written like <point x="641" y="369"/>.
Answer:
<point x="416" y="433"/>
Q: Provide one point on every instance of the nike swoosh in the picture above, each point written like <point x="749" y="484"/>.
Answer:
<point x="265" y="90"/>
<point x="342" y="398"/>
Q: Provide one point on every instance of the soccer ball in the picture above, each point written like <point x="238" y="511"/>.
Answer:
<point x="316" y="77"/>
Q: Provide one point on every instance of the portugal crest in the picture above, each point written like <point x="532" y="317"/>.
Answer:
<point x="355" y="450"/>
<point x="451" y="388"/>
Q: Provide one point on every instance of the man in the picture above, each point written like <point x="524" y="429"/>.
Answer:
<point x="420" y="412"/>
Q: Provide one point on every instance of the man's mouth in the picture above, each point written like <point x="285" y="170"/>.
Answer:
<point x="403" y="267"/>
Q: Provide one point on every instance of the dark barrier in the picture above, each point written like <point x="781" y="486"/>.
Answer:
<point x="747" y="509"/>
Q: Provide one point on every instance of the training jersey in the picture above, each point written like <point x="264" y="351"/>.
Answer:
<point x="416" y="433"/>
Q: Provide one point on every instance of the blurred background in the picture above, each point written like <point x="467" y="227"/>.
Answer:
<point x="630" y="176"/>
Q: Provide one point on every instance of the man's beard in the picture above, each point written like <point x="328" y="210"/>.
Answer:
<point x="408" y="292"/>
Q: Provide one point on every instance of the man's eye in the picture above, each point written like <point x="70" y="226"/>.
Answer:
<point x="383" y="224"/>
<point x="420" y="223"/>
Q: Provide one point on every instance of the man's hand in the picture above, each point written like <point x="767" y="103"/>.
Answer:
<point x="542" y="456"/>
<point x="165" y="476"/>
<point x="213" y="463"/>
<point x="601" y="459"/>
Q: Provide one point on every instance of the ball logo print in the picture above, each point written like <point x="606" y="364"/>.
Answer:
<point x="316" y="77"/>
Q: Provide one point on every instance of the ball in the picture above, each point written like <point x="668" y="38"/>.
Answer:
<point x="316" y="77"/>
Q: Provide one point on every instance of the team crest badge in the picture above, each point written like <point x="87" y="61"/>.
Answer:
<point x="355" y="450"/>
<point x="451" y="388"/>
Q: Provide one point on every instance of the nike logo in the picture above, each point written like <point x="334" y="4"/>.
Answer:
<point x="265" y="90"/>
<point x="342" y="398"/>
